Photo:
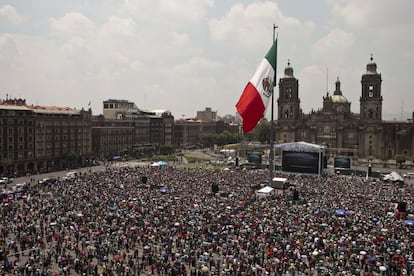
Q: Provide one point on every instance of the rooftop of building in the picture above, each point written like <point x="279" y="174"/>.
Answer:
<point x="20" y="104"/>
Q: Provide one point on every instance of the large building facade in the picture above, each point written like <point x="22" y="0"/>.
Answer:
<point x="363" y="135"/>
<point x="123" y="126"/>
<point x="41" y="138"/>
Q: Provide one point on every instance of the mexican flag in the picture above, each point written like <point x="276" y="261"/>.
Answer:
<point x="256" y="95"/>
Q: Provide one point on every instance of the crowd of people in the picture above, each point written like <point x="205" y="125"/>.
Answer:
<point x="163" y="220"/>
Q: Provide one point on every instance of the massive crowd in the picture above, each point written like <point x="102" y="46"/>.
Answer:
<point x="167" y="221"/>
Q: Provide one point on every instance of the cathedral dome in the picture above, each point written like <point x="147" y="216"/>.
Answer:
<point x="337" y="96"/>
<point x="339" y="99"/>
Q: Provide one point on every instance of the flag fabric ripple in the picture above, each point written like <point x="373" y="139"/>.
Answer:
<point x="256" y="95"/>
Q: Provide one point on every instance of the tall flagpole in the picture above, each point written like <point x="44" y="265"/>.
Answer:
<point x="271" y="153"/>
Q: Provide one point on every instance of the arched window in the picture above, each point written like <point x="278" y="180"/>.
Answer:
<point x="371" y="91"/>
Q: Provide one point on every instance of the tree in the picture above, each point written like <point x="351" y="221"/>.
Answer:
<point x="143" y="151"/>
<point x="223" y="138"/>
<point x="262" y="131"/>
<point x="208" y="140"/>
<point x="400" y="159"/>
<point x="167" y="149"/>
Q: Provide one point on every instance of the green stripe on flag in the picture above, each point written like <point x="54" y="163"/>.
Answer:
<point x="271" y="58"/>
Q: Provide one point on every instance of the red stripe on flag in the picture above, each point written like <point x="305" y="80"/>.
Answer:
<point x="250" y="107"/>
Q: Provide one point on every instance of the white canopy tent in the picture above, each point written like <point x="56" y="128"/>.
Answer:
<point x="394" y="177"/>
<point x="280" y="182"/>
<point x="299" y="146"/>
<point x="264" y="192"/>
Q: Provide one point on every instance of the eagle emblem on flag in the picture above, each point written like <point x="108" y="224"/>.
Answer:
<point x="267" y="86"/>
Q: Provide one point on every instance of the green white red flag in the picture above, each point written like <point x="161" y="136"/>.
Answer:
<point x="256" y="95"/>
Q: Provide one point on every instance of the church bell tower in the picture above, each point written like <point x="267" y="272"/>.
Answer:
<point x="288" y="101"/>
<point x="371" y="128"/>
<point x="371" y="98"/>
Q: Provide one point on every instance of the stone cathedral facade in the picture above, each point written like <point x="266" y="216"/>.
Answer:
<point x="342" y="132"/>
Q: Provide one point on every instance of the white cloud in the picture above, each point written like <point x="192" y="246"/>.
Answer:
<point x="373" y="13"/>
<point x="72" y="24"/>
<point x="11" y="14"/>
<point x="167" y="12"/>
<point x="333" y="48"/>
<point x="8" y="53"/>
<point x="158" y="53"/>
<point x="119" y="26"/>
<point x="198" y="66"/>
<point x="385" y="23"/>
<point x="249" y="26"/>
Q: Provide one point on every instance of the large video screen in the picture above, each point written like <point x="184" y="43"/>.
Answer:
<point x="342" y="162"/>
<point x="301" y="162"/>
<point x="254" y="158"/>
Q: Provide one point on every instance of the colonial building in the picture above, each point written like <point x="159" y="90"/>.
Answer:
<point x="41" y="138"/>
<point x="111" y="137"/>
<point x="124" y="126"/>
<point x="189" y="133"/>
<point x="336" y="127"/>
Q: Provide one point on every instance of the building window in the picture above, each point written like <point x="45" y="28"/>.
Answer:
<point x="289" y="93"/>
<point x="371" y="91"/>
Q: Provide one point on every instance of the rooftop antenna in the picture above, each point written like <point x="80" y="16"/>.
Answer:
<point x="327" y="80"/>
<point x="402" y="108"/>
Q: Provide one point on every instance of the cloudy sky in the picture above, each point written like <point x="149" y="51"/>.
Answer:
<point x="186" y="55"/>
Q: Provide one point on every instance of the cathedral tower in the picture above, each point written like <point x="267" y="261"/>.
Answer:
<point x="371" y="128"/>
<point x="371" y="98"/>
<point x="288" y="101"/>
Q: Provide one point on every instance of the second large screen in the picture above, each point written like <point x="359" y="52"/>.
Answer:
<point x="342" y="162"/>
<point x="302" y="162"/>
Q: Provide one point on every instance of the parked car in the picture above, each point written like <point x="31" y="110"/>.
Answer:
<point x="47" y="181"/>
<point x="70" y="175"/>
<point x="6" y="180"/>
<point x="409" y="175"/>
